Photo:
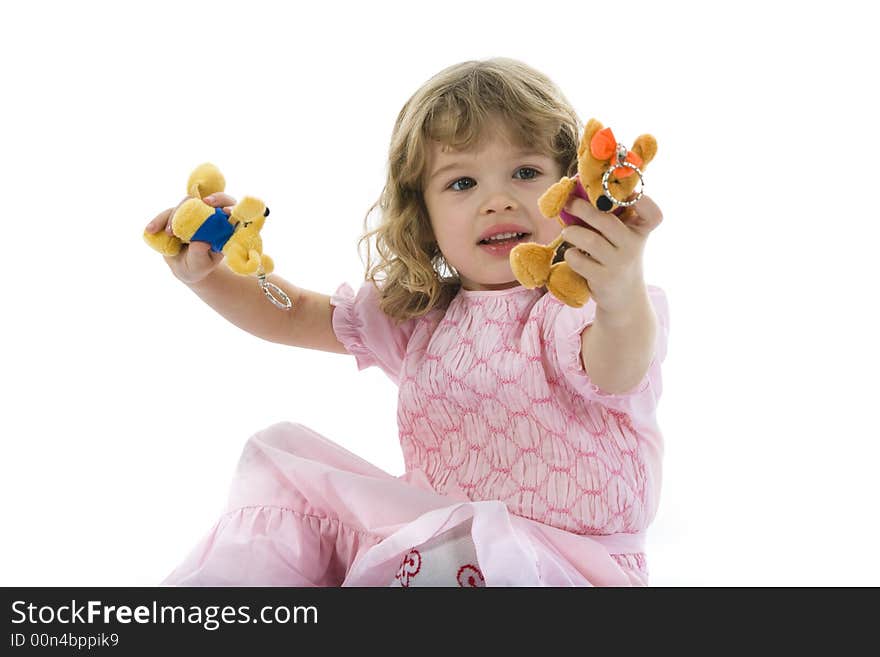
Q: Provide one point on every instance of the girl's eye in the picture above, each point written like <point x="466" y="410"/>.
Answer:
<point x="533" y="170"/>
<point x="453" y="185"/>
<point x="533" y="173"/>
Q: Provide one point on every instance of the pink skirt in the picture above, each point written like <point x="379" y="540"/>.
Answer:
<point x="303" y="511"/>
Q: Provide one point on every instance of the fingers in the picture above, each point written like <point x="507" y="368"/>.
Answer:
<point x="611" y="228"/>
<point x="203" y="251"/>
<point x="199" y="249"/>
<point x="159" y="221"/>
<point x="583" y="264"/>
<point x="644" y="216"/>
<point x="595" y="245"/>
<point x="199" y="256"/>
<point x="220" y="200"/>
<point x="641" y="218"/>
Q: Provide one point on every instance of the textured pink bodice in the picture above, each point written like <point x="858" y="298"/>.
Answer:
<point x="494" y="402"/>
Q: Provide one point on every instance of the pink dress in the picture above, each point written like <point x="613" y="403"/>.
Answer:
<point x="509" y="448"/>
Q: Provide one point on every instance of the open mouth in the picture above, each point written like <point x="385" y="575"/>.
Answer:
<point x="505" y="238"/>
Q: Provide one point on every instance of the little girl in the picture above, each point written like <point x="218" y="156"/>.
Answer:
<point x="528" y="427"/>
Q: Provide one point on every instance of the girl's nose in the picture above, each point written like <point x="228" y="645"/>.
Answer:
<point x="499" y="203"/>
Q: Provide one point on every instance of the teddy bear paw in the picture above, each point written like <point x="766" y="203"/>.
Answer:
<point x="268" y="264"/>
<point x="530" y="264"/>
<point x="567" y="285"/>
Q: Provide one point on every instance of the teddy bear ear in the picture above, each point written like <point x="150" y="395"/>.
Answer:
<point x="645" y="147"/>
<point x="593" y="126"/>
<point x="205" y="180"/>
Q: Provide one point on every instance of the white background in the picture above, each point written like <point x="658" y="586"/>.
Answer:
<point x="126" y="402"/>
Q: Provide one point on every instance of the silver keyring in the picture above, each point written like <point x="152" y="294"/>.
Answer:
<point x="608" y="193"/>
<point x="283" y="301"/>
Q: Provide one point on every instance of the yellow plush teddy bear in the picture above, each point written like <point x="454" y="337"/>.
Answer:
<point x="607" y="175"/>
<point x="236" y="236"/>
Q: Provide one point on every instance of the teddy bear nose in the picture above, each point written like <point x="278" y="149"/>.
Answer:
<point x="266" y="213"/>
<point x="604" y="203"/>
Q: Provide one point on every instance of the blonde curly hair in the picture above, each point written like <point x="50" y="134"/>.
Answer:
<point x="454" y="107"/>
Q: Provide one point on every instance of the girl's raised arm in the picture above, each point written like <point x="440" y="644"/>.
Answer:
<point x="240" y="300"/>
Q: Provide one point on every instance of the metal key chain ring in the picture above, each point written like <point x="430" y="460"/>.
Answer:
<point x="608" y="173"/>
<point x="274" y="293"/>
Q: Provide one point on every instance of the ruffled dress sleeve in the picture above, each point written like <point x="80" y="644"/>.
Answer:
<point x="563" y="332"/>
<point x="366" y="332"/>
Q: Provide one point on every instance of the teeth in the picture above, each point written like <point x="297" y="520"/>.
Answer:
<point x="503" y="236"/>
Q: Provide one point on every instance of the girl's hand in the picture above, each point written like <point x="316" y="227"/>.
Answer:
<point x="610" y="258"/>
<point x="195" y="260"/>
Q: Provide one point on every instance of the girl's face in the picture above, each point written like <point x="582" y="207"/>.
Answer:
<point x="491" y="190"/>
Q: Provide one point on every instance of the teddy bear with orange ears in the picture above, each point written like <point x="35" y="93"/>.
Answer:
<point x="607" y="176"/>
